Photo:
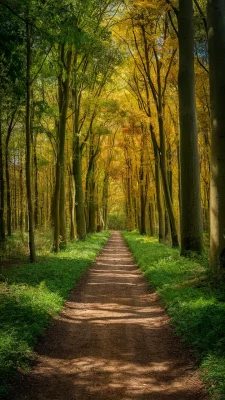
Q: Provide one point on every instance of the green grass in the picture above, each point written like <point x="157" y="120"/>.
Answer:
<point x="32" y="295"/>
<point x="197" y="310"/>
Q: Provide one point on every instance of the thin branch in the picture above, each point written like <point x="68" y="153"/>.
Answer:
<point x="176" y="11"/>
<point x="26" y="21"/>
<point x="172" y="23"/>
<point x="14" y="12"/>
<point x="202" y="16"/>
<point x="35" y="76"/>
<point x="147" y="69"/>
<point x="168" y="71"/>
<point x="202" y="65"/>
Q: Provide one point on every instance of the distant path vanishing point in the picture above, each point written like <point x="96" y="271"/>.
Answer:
<point x="112" y="341"/>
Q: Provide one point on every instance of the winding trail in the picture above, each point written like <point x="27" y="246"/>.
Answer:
<point x="112" y="341"/>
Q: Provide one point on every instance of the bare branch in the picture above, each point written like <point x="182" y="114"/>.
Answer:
<point x="172" y="23"/>
<point x="202" y="16"/>
<point x="176" y="11"/>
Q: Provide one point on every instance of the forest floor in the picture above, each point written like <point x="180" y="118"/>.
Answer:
<point x="112" y="340"/>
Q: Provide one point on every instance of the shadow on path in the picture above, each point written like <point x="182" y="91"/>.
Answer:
<point x="112" y="341"/>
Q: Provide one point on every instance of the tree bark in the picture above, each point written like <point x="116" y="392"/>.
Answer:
<point x="90" y="186"/>
<point x="28" y="148"/>
<point x="72" y="206"/>
<point x="151" y="219"/>
<point x="163" y="169"/>
<point x="105" y="196"/>
<point x="65" y="59"/>
<point x="8" y="193"/>
<point x="21" y="217"/>
<point x="216" y="41"/>
<point x="191" y="214"/>
<point x="77" y="172"/>
<point x="142" y="188"/>
<point x="36" y="193"/>
<point x="2" y="186"/>
<point x="161" y="221"/>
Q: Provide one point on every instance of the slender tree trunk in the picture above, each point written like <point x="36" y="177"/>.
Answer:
<point x="15" y="196"/>
<point x="216" y="40"/>
<point x="159" y="200"/>
<point x="166" y="189"/>
<point x="77" y="172"/>
<point x="105" y="196"/>
<point x="92" y="196"/>
<point x="36" y="194"/>
<point x="2" y="186"/>
<point x="191" y="214"/>
<point x="151" y="219"/>
<point x="62" y="207"/>
<point x="21" y="197"/>
<point x="8" y="192"/>
<point x="65" y="58"/>
<point x="90" y="189"/>
<point x="28" y="148"/>
<point x="142" y="194"/>
<point x="92" y="207"/>
<point x="72" y="206"/>
<point x="131" y="203"/>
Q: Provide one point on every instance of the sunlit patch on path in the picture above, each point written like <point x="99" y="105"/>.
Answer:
<point x="112" y="341"/>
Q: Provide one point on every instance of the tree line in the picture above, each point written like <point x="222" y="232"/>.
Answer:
<point x="108" y="100"/>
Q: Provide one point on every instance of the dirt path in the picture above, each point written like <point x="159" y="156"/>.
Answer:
<point x="112" y="341"/>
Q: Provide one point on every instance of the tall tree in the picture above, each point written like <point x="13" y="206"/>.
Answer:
<point x="2" y="186"/>
<point x="8" y="192"/>
<point x="65" y="60"/>
<point x="216" y="42"/>
<point x="28" y="144"/>
<point x="191" y="215"/>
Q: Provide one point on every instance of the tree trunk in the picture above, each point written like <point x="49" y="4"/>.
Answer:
<point x="15" y="196"/>
<point x="8" y="193"/>
<point x="142" y="193"/>
<point x="21" y="218"/>
<point x="36" y="194"/>
<point x="166" y="189"/>
<point x="72" y="206"/>
<point x="161" y="221"/>
<point x="191" y="214"/>
<point x="65" y="59"/>
<point x="92" y="207"/>
<point x="77" y="172"/>
<point x="2" y="186"/>
<point x="105" y="196"/>
<point x="28" y="148"/>
<point x="151" y="219"/>
<point x="216" y="40"/>
<point x="62" y="207"/>
<point x="90" y="189"/>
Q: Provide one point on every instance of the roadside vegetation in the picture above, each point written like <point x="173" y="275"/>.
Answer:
<point x="196" y="308"/>
<point x="32" y="295"/>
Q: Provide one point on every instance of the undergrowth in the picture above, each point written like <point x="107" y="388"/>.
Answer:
<point x="32" y="295"/>
<point x="197" y="310"/>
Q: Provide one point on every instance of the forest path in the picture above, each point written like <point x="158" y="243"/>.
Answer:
<point x="112" y="341"/>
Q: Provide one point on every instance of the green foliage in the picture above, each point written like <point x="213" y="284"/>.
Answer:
<point x="116" y="221"/>
<point x="32" y="295"/>
<point x="197" y="310"/>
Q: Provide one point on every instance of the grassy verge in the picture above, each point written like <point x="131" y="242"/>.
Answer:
<point x="197" y="310"/>
<point x="32" y="295"/>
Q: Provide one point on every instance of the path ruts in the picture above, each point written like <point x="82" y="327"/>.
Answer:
<point x="112" y="341"/>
